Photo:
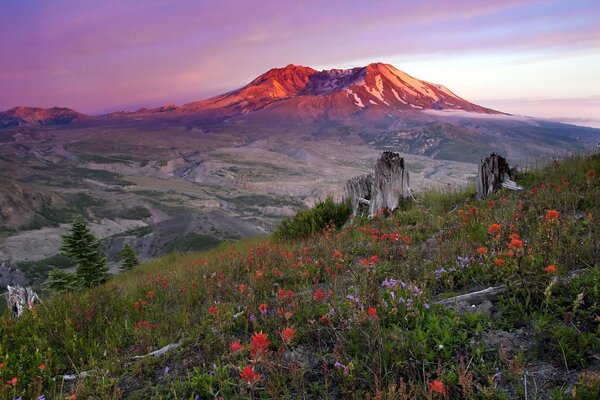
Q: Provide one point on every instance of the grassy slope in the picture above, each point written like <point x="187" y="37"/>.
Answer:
<point x="340" y="349"/>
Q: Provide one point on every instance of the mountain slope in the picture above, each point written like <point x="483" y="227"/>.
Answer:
<point x="348" y="313"/>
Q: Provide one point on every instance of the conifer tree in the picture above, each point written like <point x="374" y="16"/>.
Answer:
<point x="82" y="246"/>
<point x="60" y="280"/>
<point x="128" y="257"/>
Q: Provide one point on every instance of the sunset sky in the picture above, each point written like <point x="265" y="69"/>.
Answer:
<point x="537" y="58"/>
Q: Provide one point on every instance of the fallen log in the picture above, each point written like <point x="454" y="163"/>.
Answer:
<point x="19" y="299"/>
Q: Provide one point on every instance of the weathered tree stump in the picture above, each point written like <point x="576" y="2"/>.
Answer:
<point x="493" y="174"/>
<point x="20" y="299"/>
<point x="382" y="189"/>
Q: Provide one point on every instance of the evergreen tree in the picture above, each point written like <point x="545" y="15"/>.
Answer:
<point x="128" y="257"/>
<point x="82" y="246"/>
<point x="60" y="280"/>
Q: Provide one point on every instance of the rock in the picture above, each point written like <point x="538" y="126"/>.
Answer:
<point x="381" y="190"/>
<point x="20" y="298"/>
<point x="494" y="173"/>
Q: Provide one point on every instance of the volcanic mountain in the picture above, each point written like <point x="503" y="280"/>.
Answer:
<point x="24" y="116"/>
<point x="297" y="91"/>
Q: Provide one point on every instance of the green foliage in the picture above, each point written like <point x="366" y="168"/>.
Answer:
<point x="128" y="257"/>
<point x="83" y="247"/>
<point x="60" y="280"/>
<point x="308" y="222"/>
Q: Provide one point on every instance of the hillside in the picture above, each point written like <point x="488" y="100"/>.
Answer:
<point x="350" y="313"/>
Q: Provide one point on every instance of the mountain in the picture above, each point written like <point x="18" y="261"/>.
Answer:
<point x="27" y="116"/>
<point x="302" y="91"/>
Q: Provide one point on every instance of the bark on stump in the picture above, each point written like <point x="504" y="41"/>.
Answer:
<point x="493" y="174"/>
<point x="20" y="299"/>
<point x="382" y="189"/>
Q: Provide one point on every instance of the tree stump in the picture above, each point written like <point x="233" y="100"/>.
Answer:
<point x="493" y="174"/>
<point x="20" y="299"/>
<point x="382" y="189"/>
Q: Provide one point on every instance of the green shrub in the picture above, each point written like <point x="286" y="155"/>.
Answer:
<point x="307" y="222"/>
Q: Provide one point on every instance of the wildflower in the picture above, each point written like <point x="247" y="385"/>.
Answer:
<point x="515" y="244"/>
<point x="482" y="250"/>
<point x="236" y="346"/>
<point x="550" y="268"/>
<point x="212" y="310"/>
<point x="318" y="295"/>
<point x="263" y="308"/>
<point x="372" y="311"/>
<point x="494" y="228"/>
<point x="591" y="173"/>
<point x="437" y="386"/>
<point x="12" y="381"/>
<point x="259" y="343"/>
<point x="499" y="261"/>
<point x="249" y="376"/>
<point x="42" y="367"/>
<point x="510" y="253"/>
<point x="427" y="306"/>
<point x="252" y="318"/>
<point x="150" y="294"/>
<point x="337" y="254"/>
<point x="166" y="370"/>
<point x="2" y="364"/>
<point x="288" y="334"/>
<point x="514" y="236"/>
<point x="551" y="215"/>
<point x="374" y="260"/>
<point x="41" y="397"/>
<point x="242" y="288"/>
<point x="389" y="283"/>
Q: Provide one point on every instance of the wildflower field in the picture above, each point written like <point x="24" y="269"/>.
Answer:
<point x="351" y="313"/>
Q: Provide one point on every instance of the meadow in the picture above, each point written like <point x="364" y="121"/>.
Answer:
<point x="353" y="310"/>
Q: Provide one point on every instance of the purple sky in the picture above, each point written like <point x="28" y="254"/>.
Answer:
<point x="539" y="58"/>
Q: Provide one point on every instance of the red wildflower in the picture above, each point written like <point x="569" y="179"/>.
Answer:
<point x="12" y="381"/>
<point x="372" y="311"/>
<point x="42" y="367"/>
<point x="499" y="261"/>
<point x="288" y="334"/>
<point x="212" y="310"/>
<point x="365" y="262"/>
<point x="551" y="215"/>
<point x="550" y="268"/>
<point x="337" y="254"/>
<point x="494" y="228"/>
<point x="591" y="173"/>
<point x="510" y="253"/>
<point x="515" y="236"/>
<point x="72" y="397"/>
<point x="150" y="294"/>
<point x="515" y="244"/>
<point x="249" y="376"/>
<point x="236" y="346"/>
<point x="482" y="250"/>
<point x="2" y="364"/>
<point x="437" y="387"/>
<point x="319" y="295"/>
<point x="242" y="287"/>
<point x="374" y="259"/>
<point x="259" y="343"/>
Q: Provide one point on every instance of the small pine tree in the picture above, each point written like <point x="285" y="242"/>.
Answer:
<point x="82" y="246"/>
<point x="128" y="257"/>
<point x="60" y="280"/>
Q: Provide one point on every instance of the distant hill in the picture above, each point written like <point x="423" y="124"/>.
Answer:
<point x="26" y="116"/>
